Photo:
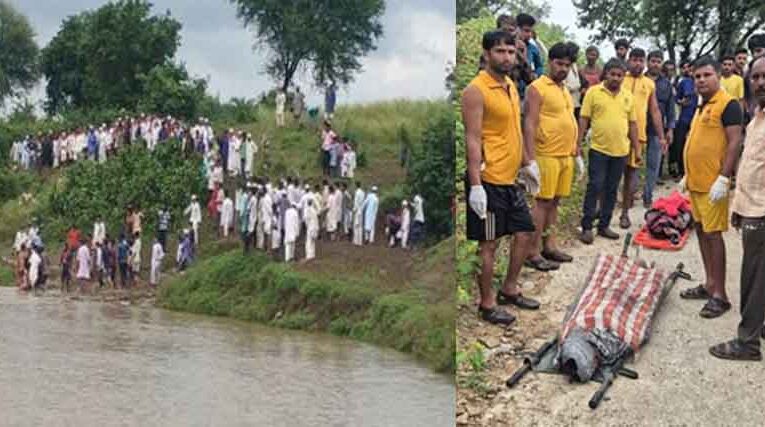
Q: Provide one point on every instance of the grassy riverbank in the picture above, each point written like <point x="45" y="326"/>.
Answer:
<point x="254" y="288"/>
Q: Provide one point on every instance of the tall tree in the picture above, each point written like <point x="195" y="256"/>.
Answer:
<point x="328" y="38"/>
<point x="685" y="28"/>
<point x="470" y="9"/>
<point x="96" y="58"/>
<point x="18" y="53"/>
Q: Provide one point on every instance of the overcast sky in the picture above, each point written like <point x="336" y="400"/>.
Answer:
<point x="410" y="61"/>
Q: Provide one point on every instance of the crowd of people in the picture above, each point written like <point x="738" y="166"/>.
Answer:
<point x="268" y="215"/>
<point x="526" y="123"/>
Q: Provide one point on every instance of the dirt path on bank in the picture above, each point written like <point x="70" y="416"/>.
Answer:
<point x="680" y="383"/>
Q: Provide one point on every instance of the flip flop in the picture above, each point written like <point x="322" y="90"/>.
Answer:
<point x="715" y="307"/>
<point x="735" y="350"/>
<point x="699" y="292"/>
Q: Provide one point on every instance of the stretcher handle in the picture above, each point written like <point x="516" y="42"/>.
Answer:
<point x="627" y="241"/>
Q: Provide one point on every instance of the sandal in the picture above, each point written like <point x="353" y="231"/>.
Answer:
<point x="699" y="292"/>
<point x="541" y="264"/>
<point x="496" y="316"/>
<point x="715" y="307"/>
<point x="624" y="222"/>
<point x="735" y="350"/>
<point x="557" y="256"/>
<point x="517" y="300"/>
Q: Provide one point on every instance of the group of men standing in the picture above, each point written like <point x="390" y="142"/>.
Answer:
<point x="629" y="114"/>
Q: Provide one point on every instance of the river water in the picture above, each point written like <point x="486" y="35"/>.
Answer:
<point x="77" y="363"/>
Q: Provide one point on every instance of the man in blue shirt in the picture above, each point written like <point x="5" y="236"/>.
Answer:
<point x="525" y="23"/>
<point x="666" y="100"/>
<point x="687" y="99"/>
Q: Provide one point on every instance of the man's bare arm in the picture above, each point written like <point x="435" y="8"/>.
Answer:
<point x="733" y="134"/>
<point x="633" y="133"/>
<point x="584" y="123"/>
<point x="472" y="117"/>
<point x="531" y="122"/>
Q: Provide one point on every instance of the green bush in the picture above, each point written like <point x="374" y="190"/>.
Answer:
<point x="90" y="190"/>
<point x="254" y="288"/>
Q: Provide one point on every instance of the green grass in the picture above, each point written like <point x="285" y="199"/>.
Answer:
<point x="256" y="289"/>
<point x="6" y="276"/>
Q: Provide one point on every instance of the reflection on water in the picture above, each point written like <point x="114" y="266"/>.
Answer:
<point x="93" y="364"/>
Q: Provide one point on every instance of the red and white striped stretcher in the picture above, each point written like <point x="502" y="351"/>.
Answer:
<point x="620" y="296"/>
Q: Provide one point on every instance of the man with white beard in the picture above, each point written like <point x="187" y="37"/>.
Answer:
<point x="334" y="211"/>
<point x="312" y="229"/>
<point x="403" y="233"/>
<point x="370" y="215"/>
<point x="194" y="211"/>
<point x="226" y="215"/>
<point x="291" y="232"/>
<point x="358" y="215"/>
<point x="265" y="209"/>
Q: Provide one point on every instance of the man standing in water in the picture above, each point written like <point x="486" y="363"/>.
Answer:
<point x="491" y="112"/>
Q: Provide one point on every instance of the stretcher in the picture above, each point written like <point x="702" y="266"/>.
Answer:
<point x="607" y="324"/>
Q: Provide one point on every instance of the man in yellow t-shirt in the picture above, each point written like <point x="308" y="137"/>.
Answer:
<point x="491" y="112"/>
<point x="610" y="111"/>
<point x="732" y="82"/>
<point x="710" y="157"/>
<point x="549" y="136"/>
<point x="643" y="90"/>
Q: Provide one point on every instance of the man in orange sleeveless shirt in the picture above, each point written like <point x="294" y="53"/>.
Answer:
<point x="491" y="112"/>
<point x="710" y="157"/>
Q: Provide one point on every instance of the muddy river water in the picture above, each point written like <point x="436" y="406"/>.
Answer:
<point x="83" y="363"/>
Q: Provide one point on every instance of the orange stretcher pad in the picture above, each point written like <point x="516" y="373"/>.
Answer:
<point x="644" y="238"/>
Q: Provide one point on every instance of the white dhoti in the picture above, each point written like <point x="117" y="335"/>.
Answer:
<point x="154" y="273"/>
<point x="195" y="227"/>
<point x="289" y="251"/>
<point x="358" y="230"/>
<point x="310" y="248"/>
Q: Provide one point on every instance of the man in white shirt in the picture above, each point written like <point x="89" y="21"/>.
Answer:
<point x="194" y="211"/>
<point x="291" y="232"/>
<point x="281" y="100"/>
<point x="358" y="215"/>
<point x="157" y="254"/>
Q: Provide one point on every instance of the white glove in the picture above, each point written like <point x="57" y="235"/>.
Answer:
<point x="477" y="200"/>
<point x="682" y="186"/>
<point x="579" y="167"/>
<point x="719" y="189"/>
<point x="531" y="177"/>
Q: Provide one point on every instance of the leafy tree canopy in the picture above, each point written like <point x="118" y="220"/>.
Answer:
<point x="329" y="38"/>
<point x="18" y="53"/>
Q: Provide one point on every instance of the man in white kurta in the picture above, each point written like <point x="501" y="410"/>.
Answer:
<point x="99" y="232"/>
<point x="34" y="268"/>
<point x="266" y="209"/>
<point x="291" y="232"/>
<point x="311" y="215"/>
<point x="249" y="158"/>
<point x="358" y="216"/>
<point x="406" y="216"/>
<point x="194" y="211"/>
<point x="83" y="265"/>
<point x="135" y="256"/>
<point x="226" y="216"/>
<point x="334" y="212"/>
<point x="281" y="100"/>
<point x="157" y="254"/>
<point x="370" y="215"/>
<point x="253" y="215"/>
<point x="234" y="153"/>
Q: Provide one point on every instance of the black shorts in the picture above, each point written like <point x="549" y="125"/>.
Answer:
<point x="507" y="213"/>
